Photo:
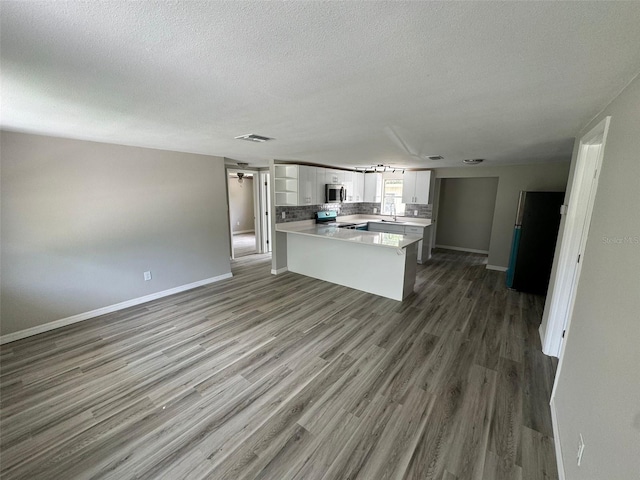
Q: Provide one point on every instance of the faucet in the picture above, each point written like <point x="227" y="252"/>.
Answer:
<point x="392" y="207"/>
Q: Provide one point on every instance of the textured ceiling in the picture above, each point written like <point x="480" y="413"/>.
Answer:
<point x="343" y="83"/>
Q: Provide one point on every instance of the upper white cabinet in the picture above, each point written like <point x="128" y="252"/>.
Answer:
<point x="307" y="185"/>
<point x="321" y="181"/>
<point x="348" y="185"/>
<point x="286" y="184"/>
<point x="358" y="186"/>
<point x="415" y="187"/>
<point x="372" y="187"/>
<point x="334" y="177"/>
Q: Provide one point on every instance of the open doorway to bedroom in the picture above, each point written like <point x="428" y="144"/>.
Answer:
<point x="242" y="212"/>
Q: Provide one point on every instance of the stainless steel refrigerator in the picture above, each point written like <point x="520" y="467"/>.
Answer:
<point x="534" y="241"/>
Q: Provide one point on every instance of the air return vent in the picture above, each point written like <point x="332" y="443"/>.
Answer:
<point x="252" y="137"/>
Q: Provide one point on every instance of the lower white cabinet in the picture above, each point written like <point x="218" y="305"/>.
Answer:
<point x="424" y="246"/>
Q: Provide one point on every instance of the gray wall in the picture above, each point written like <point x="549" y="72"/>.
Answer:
<point x="82" y="221"/>
<point x="511" y="180"/>
<point x="241" y="204"/>
<point x="465" y="212"/>
<point x="598" y="385"/>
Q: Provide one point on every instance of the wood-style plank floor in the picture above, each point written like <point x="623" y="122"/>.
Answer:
<point x="244" y="244"/>
<point x="281" y="377"/>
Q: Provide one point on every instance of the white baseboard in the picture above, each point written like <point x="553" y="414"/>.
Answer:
<point x="463" y="249"/>
<point x="556" y="441"/>
<point x="279" y="271"/>
<point x="238" y="232"/>
<point x="497" y="268"/>
<point x="12" y="337"/>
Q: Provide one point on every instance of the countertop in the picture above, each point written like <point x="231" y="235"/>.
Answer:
<point x="408" y="221"/>
<point x="379" y="239"/>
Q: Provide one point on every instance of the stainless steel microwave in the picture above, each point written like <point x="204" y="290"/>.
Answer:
<point x="335" y="193"/>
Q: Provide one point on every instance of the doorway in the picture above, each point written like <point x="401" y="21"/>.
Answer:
<point x="242" y="213"/>
<point x="465" y="213"/>
<point x="574" y="239"/>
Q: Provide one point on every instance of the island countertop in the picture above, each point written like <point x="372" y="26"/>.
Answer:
<point x="380" y="239"/>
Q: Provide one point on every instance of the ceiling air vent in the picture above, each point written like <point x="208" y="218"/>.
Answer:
<point x="435" y="157"/>
<point x="473" y="161"/>
<point x="252" y="137"/>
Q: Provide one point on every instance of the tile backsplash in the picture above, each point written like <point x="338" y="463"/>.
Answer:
<point x="306" y="212"/>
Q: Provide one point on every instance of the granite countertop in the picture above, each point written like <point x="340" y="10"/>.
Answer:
<point x="379" y="239"/>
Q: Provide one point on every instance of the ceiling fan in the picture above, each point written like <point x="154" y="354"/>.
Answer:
<point x="399" y="141"/>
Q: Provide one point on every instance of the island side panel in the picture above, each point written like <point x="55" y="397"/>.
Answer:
<point x="410" y="269"/>
<point x="373" y="269"/>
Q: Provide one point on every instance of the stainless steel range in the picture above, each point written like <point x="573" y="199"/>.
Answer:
<point x="329" y="218"/>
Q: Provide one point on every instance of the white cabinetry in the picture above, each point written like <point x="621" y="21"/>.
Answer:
<point x="424" y="246"/>
<point x="358" y="187"/>
<point x="286" y="185"/>
<point x="334" y="177"/>
<point x="348" y="186"/>
<point x="307" y="185"/>
<point x="321" y="182"/>
<point x="373" y="187"/>
<point x="415" y="187"/>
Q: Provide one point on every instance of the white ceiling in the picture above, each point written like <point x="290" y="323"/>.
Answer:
<point x="335" y="83"/>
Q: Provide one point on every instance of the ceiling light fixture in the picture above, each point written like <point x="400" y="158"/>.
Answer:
<point x="473" y="161"/>
<point x="252" y="137"/>
<point x="435" y="157"/>
<point x="240" y="175"/>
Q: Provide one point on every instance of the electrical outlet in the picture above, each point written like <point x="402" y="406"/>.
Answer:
<point x="375" y="210"/>
<point x="415" y="213"/>
<point x="284" y="214"/>
<point x="147" y="276"/>
<point x="238" y="224"/>
<point x="580" y="449"/>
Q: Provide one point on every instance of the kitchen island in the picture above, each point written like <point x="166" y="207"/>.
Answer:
<point x="375" y="262"/>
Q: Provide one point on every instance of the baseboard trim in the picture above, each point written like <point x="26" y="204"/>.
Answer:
<point x="556" y="441"/>
<point x="279" y="270"/>
<point x="463" y="249"/>
<point x="238" y="232"/>
<point x="497" y="268"/>
<point x="80" y="317"/>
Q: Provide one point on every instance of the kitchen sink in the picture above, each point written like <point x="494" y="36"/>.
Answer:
<point x="392" y="221"/>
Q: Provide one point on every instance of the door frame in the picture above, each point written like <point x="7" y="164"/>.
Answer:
<point x="264" y="207"/>
<point x="574" y="236"/>
<point x="256" y="192"/>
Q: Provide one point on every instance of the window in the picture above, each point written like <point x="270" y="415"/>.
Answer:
<point x="392" y="197"/>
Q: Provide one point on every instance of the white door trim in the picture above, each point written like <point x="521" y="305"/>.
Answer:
<point x="574" y="236"/>
<point x="265" y="224"/>
<point x="574" y="239"/>
<point x="256" y="199"/>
